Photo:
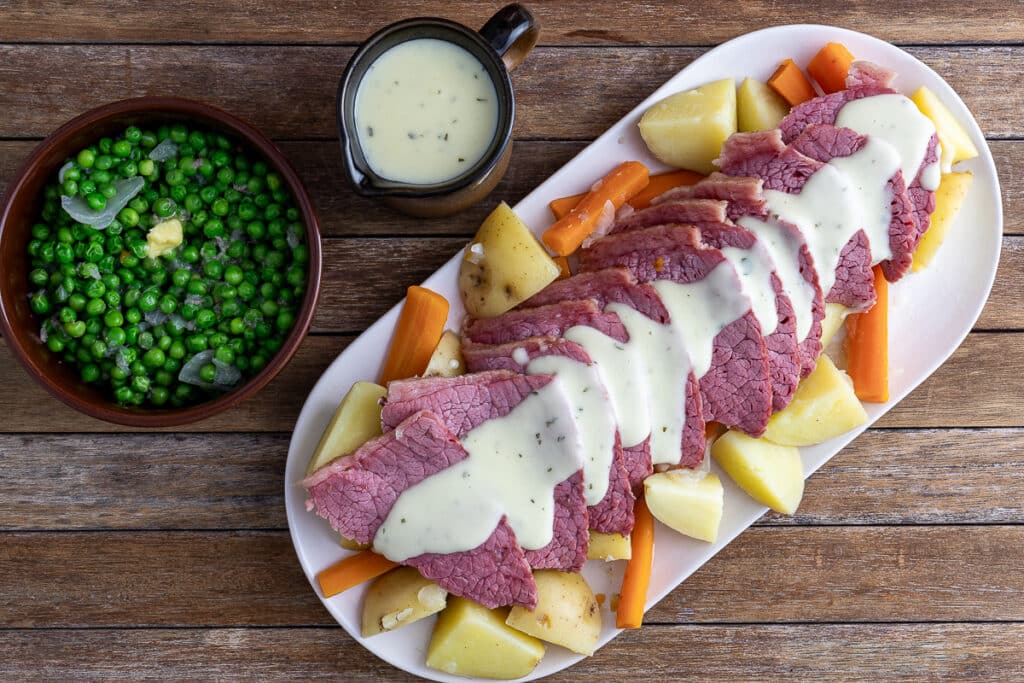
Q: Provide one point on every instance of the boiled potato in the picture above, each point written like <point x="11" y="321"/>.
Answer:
<point x="823" y="407"/>
<point x="948" y="200"/>
<point x="471" y="640"/>
<point x="770" y="474"/>
<point x="567" y="612"/>
<point x="163" y="237"/>
<point x="758" y="107"/>
<point x="689" y="502"/>
<point x="609" y="547"/>
<point x="356" y="421"/>
<point x="951" y="134"/>
<point x="400" y="597"/>
<point x="687" y="129"/>
<point x="503" y="266"/>
<point x="835" y="314"/>
<point x="446" y="361"/>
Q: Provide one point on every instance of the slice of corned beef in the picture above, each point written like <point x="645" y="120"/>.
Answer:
<point x="865" y="80"/>
<point x="603" y="287"/>
<point x="356" y="492"/>
<point x="544" y="321"/>
<point x="614" y="513"/>
<point x="716" y="231"/>
<point x="784" y="169"/>
<point x="823" y="143"/>
<point x="744" y="194"/>
<point x="467" y="401"/>
<point x="736" y="390"/>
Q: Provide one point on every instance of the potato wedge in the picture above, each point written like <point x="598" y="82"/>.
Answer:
<point x="609" y="547"/>
<point x="823" y="407"/>
<point x="356" y="421"/>
<point x="687" y="129"/>
<point x="503" y="266"/>
<point x="471" y="640"/>
<point x="951" y="133"/>
<point x="835" y="314"/>
<point x="770" y="474"/>
<point x="758" y="107"/>
<point x="948" y="200"/>
<point x="400" y="597"/>
<point x="567" y="612"/>
<point x="446" y="361"/>
<point x="688" y="502"/>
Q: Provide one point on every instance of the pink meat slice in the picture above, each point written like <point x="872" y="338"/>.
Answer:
<point x="785" y="169"/>
<point x="467" y="401"/>
<point x="355" y="494"/>
<point x="717" y="232"/>
<point x="736" y="391"/>
<point x="614" y="512"/>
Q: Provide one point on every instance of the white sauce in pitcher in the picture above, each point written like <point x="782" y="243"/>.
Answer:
<point x="426" y="111"/>
<point x="514" y="464"/>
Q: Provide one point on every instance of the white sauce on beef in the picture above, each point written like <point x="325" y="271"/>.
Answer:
<point x="425" y="111"/>
<point x="514" y="464"/>
<point x="754" y="267"/>
<point x="783" y="246"/>
<point x="593" y="413"/>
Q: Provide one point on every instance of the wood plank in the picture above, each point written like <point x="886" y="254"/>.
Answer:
<point x="572" y="22"/>
<point x="848" y="652"/>
<point x="265" y="84"/>
<point x="344" y="213"/>
<point x="234" y="481"/>
<point x="970" y="390"/>
<point x="798" y="574"/>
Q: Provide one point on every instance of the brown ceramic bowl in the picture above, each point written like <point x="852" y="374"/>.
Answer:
<point x="20" y="208"/>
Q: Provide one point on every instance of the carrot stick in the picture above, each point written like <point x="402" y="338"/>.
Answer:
<point x="659" y="184"/>
<point x="419" y="328"/>
<point x="830" y="67"/>
<point x="352" y="571"/>
<point x="616" y="188"/>
<point x="563" y="266"/>
<point x="662" y="183"/>
<point x="633" y="596"/>
<point x="789" y="81"/>
<point x="867" y="346"/>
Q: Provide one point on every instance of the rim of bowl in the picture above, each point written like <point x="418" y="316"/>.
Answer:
<point x="187" y="109"/>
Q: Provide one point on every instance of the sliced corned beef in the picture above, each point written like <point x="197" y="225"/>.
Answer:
<point x="823" y="143"/>
<point x="544" y="321"/>
<point x="784" y="169"/>
<point x="614" y="513"/>
<point x="824" y="109"/>
<point x="744" y="194"/>
<point x="356" y="492"/>
<point x="709" y="216"/>
<point x="864" y="74"/>
<point x="603" y="287"/>
<point x="736" y="389"/>
<point x="467" y="401"/>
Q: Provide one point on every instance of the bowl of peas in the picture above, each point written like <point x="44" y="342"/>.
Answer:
<point x="159" y="262"/>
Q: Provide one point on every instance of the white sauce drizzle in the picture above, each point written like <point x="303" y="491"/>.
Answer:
<point x="593" y="414"/>
<point x="868" y="172"/>
<point x="784" y="248"/>
<point x="754" y="267"/>
<point x="514" y="464"/>
<point x="896" y="120"/>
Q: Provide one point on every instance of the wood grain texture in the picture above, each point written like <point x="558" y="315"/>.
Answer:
<point x="573" y="22"/>
<point x="344" y="213"/>
<point x="290" y="91"/>
<point x="779" y="575"/>
<point x="235" y="481"/>
<point x="976" y="387"/>
<point x="855" y="653"/>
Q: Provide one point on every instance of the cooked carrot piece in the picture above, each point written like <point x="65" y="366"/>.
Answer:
<point x="867" y="346"/>
<point x="830" y="67"/>
<point x="616" y="188"/>
<point x="791" y="83"/>
<point x="419" y="328"/>
<point x="561" y="207"/>
<point x="662" y="183"/>
<point x="352" y="571"/>
<point x="563" y="266"/>
<point x="633" y="596"/>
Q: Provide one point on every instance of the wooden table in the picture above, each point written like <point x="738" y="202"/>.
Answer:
<point x="166" y="555"/>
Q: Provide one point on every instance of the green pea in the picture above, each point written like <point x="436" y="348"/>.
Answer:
<point x="208" y="373"/>
<point x="69" y="188"/>
<point x="123" y="395"/>
<point x="164" y="207"/>
<point x="205" y="318"/>
<point x="206" y="169"/>
<point x="256" y="230"/>
<point x="154" y="358"/>
<point x="104" y="162"/>
<point x="86" y="158"/>
<point x="77" y="302"/>
<point x="225" y="355"/>
<point x="167" y="304"/>
<point x="75" y="329"/>
<point x="90" y="373"/>
<point x="133" y="134"/>
<point x="213" y="228"/>
<point x="148" y="140"/>
<point x="95" y="307"/>
<point x="196" y="287"/>
<point x="213" y="269"/>
<point x="285" y="320"/>
<point x="159" y="395"/>
<point x="121" y="148"/>
<point x="190" y="254"/>
<point x="177" y="350"/>
<point x="113" y="319"/>
<point x="133" y="316"/>
<point x="175" y="177"/>
<point x="147" y="167"/>
<point x="131" y="334"/>
<point x="196" y="343"/>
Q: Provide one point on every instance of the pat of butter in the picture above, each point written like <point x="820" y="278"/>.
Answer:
<point x="163" y="237"/>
